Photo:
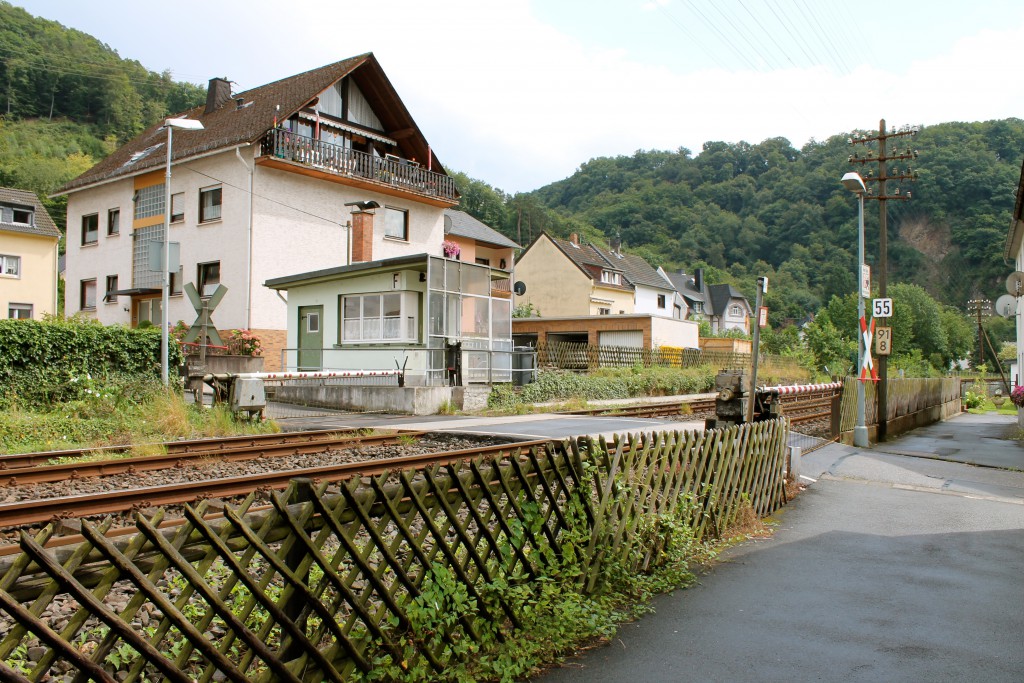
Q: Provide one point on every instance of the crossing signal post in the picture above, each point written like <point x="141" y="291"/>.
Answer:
<point x="882" y="157"/>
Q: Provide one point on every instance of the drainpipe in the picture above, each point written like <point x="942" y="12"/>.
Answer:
<point x="248" y="237"/>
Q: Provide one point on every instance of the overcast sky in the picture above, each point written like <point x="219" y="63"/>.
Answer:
<point x="519" y="94"/>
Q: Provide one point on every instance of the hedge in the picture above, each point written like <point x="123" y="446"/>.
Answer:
<point x="72" y="347"/>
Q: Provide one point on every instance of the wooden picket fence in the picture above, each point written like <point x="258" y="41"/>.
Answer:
<point x="331" y="579"/>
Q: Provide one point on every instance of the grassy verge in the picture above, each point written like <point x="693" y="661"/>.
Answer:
<point x="112" y="411"/>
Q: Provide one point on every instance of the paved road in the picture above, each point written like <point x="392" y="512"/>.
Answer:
<point x="887" y="568"/>
<point x="536" y="426"/>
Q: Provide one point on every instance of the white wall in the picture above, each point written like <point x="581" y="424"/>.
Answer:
<point x="645" y="300"/>
<point x="297" y="227"/>
<point x="671" y="332"/>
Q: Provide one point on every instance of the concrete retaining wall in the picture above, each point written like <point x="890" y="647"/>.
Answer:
<point x="405" y="400"/>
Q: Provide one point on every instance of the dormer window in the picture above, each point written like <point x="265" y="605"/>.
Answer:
<point x="610" y="277"/>
<point x="18" y="215"/>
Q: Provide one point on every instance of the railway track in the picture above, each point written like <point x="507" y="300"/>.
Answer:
<point x="183" y="447"/>
<point x="32" y="512"/>
<point x="798" y="407"/>
<point x="230" y="450"/>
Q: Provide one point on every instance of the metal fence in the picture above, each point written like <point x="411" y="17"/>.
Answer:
<point x="336" y="577"/>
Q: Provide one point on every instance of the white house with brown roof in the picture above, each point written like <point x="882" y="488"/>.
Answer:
<point x="570" y="278"/>
<point x="320" y="170"/>
<point x="28" y="256"/>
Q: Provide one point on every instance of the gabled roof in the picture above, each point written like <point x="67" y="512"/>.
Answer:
<point x="583" y="255"/>
<point x="722" y="295"/>
<point x="684" y="285"/>
<point x="43" y="225"/>
<point x="461" y="224"/>
<point x="232" y="125"/>
<point x="636" y="269"/>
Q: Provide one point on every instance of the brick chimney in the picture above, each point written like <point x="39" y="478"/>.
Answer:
<point x="362" y="236"/>
<point x="217" y="94"/>
<point x="575" y="239"/>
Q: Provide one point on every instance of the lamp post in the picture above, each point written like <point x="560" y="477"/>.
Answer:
<point x="165" y="267"/>
<point x="854" y="183"/>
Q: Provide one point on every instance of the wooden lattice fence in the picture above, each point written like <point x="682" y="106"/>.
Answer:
<point x="332" y="579"/>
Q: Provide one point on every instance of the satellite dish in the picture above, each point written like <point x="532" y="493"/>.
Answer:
<point x="520" y="287"/>
<point x="1015" y="283"/>
<point x="1006" y="306"/>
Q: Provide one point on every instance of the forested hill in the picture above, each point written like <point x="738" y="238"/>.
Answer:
<point x="67" y="100"/>
<point x="746" y="210"/>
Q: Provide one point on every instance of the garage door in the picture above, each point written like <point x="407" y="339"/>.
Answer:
<point x="634" y="338"/>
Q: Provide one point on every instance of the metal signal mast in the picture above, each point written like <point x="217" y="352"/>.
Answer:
<point x="882" y="156"/>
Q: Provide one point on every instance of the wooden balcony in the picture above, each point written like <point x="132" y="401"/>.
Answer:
<point x="397" y="177"/>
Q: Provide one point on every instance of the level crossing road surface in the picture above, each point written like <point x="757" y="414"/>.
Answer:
<point x="526" y="427"/>
<point x="889" y="567"/>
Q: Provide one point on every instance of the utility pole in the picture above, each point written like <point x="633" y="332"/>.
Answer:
<point x="982" y="308"/>
<point x="885" y="174"/>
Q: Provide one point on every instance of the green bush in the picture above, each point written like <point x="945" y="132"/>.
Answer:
<point x="607" y="383"/>
<point x="39" y="359"/>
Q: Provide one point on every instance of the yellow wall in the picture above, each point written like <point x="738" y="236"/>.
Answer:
<point x="37" y="283"/>
<point x="554" y="285"/>
<point x="621" y="300"/>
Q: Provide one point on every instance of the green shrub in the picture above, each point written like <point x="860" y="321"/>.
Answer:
<point x="39" y="360"/>
<point x="606" y="383"/>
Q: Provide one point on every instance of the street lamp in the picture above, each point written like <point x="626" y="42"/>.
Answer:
<point x="170" y="125"/>
<point x="854" y="183"/>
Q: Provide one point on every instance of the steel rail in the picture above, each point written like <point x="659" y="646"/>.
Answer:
<point x="13" y="461"/>
<point x="29" y="512"/>
<point x="104" y="468"/>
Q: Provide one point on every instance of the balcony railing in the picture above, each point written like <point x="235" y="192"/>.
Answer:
<point x="502" y="288"/>
<point x="402" y="174"/>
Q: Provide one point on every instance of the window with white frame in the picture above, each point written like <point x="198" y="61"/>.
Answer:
<point x="388" y="317"/>
<point x="87" y="295"/>
<point x="209" y="204"/>
<point x="207" y="277"/>
<point x="604" y="311"/>
<point x="90" y="228"/>
<point x="610" y="277"/>
<point x="396" y="223"/>
<point x="735" y="310"/>
<point x="108" y="296"/>
<point x="19" y="311"/>
<point x="178" y="207"/>
<point x="113" y="222"/>
<point x="10" y="265"/>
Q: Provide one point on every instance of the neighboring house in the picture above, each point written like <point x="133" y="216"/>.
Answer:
<point x="723" y="306"/>
<point x="1015" y="250"/>
<point x="478" y="243"/>
<point x="28" y="256"/>
<point x="565" y="278"/>
<point x="277" y="182"/>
